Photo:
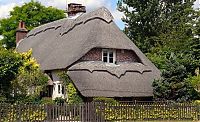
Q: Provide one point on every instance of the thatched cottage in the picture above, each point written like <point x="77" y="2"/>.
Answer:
<point x="99" y="58"/>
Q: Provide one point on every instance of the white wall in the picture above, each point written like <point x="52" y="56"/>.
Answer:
<point x="58" y="90"/>
<point x="57" y="86"/>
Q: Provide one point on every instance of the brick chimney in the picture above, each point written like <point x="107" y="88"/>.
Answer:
<point x="74" y="9"/>
<point x="21" y="31"/>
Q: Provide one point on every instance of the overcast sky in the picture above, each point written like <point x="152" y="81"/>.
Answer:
<point x="7" y="5"/>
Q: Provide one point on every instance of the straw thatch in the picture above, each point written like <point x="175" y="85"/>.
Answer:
<point x="60" y="44"/>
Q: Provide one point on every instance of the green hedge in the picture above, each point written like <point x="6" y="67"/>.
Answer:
<point x="113" y="112"/>
<point x="14" y="113"/>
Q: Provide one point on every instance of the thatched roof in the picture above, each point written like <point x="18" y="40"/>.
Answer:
<point x="58" y="45"/>
<point x="103" y="80"/>
<point x="117" y="70"/>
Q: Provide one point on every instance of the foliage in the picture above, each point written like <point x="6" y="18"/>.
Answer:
<point x="112" y="112"/>
<point x="173" y="86"/>
<point x="197" y="102"/>
<point x="59" y="100"/>
<point x="33" y="14"/>
<point x="20" y="76"/>
<point x="32" y="113"/>
<point x="150" y="111"/>
<point x="64" y="77"/>
<point x="73" y="94"/>
<point x="2" y="98"/>
<point x="10" y="63"/>
<point x="47" y="101"/>
<point x="158" y="57"/>
<point x="146" y="21"/>
<point x="163" y="29"/>
<point x="142" y="21"/>
<point x="195" y="80"/>
<point x="30" y="80"/>
<point x="194" y="48"/>
<point x="106" y="100"/>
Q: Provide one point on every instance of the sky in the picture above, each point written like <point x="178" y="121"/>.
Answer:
<point x="7" y="5"/>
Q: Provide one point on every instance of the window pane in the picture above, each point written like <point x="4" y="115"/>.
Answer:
<point x="110" y="60"/>
<point x="63" y="90"/>
<point x="58" y="89"/>
<point x="104" y="53"/>
<point x="104" y="59"/>
<point x="110" y="54"/>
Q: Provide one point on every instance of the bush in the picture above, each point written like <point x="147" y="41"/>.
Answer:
<point x="21" y="112"/>
<point x="73" y="95"/>
<point x="59" y="100"/>
<point x="47" y="101"/>
<point x="154" y="111"/>
<point x="106" y="100"/>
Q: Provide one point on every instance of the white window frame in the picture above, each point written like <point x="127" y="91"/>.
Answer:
<point x="60" y="91"/>
<point x="59" y="88"/>
<point x="108" y="57"/>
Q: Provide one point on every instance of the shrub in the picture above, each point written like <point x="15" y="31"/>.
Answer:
<point x="47" y="101"/>
<point x="59" y="100"/>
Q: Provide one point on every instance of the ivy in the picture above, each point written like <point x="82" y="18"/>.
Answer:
<point x="73" y="94"/>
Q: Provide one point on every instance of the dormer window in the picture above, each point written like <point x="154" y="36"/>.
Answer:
<point x="108" y="56"/>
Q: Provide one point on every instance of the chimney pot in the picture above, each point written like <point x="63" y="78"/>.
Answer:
<point x="21" y="31"/>
<point x="74" y="8"/>
<point x="21" y="25"/>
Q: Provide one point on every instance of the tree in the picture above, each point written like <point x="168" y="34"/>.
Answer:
<point x="142" y="19"/>
<point x="33" y="14"/>
<point x="10" y="62"/>
<point x="147" y="21"/>
<point x="20" y="76"/>
<point x="173" y="85"/>
<point x="195" y="80"/>
<point x="195" y="42"/>
<point x="30" y="80"/>
<point x="164" y="29"/>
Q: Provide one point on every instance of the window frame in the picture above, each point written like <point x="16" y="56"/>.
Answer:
<point x="108" y="51"/>
<point x="59" y="88"/>
<point x="63" y="88"/>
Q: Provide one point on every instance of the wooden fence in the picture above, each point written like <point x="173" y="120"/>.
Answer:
<point x="99" y="112"/>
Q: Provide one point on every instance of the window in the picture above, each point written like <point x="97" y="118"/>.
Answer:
<point x="63" y="89"/>
<point x="108" y="56"/>
<point x="54" y="86"/>
<point x="59" y="89"/>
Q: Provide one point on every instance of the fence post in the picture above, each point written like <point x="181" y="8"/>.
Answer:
<point x="136" y="110"/>
<point x="19" y="111"/>
<point x="96" y="111"/>
<point x="92" y="114"/>
<point x="101" y="114"/>
<point x="1" y="112"/>
<point x="85" y="112"/>
<point x="197" y="111"/>
<point x="47" y="111"/>
<point x="168" y="111"/>
<point x="82" y="112"/>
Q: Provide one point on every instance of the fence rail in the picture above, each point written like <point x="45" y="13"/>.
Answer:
<point x="99" y="112"/>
